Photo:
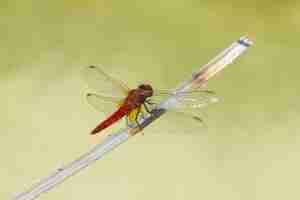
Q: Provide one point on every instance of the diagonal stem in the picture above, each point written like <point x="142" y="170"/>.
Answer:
<point x="197" y="80"/>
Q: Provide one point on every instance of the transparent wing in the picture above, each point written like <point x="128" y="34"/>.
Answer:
<point x="104" y="104"/>
<point x="193" y="99"/>
<point x="196" y="99"/>
<point x="189" y="104"/>
<point x="103" y="83"/>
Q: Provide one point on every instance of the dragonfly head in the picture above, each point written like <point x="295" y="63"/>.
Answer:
<point x="147" y="90"/>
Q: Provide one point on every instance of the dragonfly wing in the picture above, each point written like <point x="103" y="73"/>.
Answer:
<point x="189" y="104"/>
<point x="193" y="99"/>
<point x="104" y="104"/>
<point x="196" y="99"/>
<point x="103" y="83"/>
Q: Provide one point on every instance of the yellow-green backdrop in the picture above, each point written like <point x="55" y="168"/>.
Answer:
<point x="250" y="146"/>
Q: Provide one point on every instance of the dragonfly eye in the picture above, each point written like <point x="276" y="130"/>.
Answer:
<point x="147" y="89"/>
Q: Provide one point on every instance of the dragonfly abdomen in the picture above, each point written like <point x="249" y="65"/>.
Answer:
<point x="116" y="116"/>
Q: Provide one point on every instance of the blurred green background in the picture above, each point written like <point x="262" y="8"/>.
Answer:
<point x="250" y="149"/>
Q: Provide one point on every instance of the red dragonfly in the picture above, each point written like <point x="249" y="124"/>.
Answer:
<point x="114" y="98"/>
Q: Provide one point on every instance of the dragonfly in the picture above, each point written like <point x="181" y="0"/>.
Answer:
<point x="115" y="99"/>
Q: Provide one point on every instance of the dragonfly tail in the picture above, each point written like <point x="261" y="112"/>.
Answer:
<point x="116" y="116"/>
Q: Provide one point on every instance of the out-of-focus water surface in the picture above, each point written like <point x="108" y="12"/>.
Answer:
<point x="250" y="148"/>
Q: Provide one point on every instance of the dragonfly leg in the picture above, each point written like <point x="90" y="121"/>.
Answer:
<point x="146" y="107"/>
<point x="127" y="122"/>
<point x="137" y="117"/>
<point x="149" y="102"/>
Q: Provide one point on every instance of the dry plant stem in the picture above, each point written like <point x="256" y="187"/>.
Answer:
<point x="197" y="80"/>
